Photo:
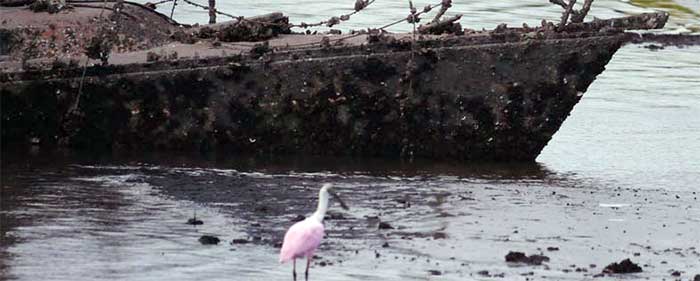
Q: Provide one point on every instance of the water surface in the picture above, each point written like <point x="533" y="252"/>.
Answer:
<point x="619" y="180"/>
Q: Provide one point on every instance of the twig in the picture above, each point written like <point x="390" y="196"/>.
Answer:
<point x="560" y="3"/>
<point x="576" y="16"/>
<point x="565" y="15"/>
<point x="446" y="4"/>
<point x="581" y="14"/>
<point x="76" y="104"/>
<point x="439" y="26"/>
<point x="104" y="5"/>
<point x="162" y="2"/>
<point x="172" y="11"/>
<point x="212" y="11"/>
<point x="413" y="35"/>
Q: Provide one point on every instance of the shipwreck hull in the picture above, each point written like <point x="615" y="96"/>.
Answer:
<point x="497" y="95"/>
<point x="478" y="102"/>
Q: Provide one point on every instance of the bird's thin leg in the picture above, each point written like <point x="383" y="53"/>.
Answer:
<point x="306" y="273"/>
<point x="294" y="269"/>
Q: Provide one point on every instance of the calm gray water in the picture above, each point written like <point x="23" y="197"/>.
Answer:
<point x="619" y="180"/>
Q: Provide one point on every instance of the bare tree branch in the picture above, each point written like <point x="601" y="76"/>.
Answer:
<point x="565" y="15"/>
<point x="581" y="15"/>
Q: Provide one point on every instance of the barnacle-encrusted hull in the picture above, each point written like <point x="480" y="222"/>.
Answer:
<point x="497" y="95"/>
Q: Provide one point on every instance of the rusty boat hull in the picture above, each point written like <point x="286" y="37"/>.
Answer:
<point x="483" y="96"/>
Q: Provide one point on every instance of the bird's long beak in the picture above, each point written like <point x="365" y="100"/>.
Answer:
<point x="336" y="197"/>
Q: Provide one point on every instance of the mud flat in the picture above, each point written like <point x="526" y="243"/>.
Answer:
<point x="458" y="224"/>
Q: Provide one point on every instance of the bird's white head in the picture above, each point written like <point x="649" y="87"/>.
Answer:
<point x="326" y="190"/>
<point x="326" y="187"/>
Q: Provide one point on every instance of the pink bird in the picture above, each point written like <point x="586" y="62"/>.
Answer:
<point x="303" y="238"/>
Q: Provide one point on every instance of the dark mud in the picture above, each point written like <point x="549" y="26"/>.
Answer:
<point x="519" y="257"/>
<point x="251" y="204"/>
<point x="625" y="266"/>
<point x="209" y="240"/>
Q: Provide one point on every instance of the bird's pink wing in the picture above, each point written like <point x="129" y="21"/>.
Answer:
<point x="301" y="240"/>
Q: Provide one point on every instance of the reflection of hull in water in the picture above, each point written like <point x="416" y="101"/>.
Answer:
<point x="497" y="95"/>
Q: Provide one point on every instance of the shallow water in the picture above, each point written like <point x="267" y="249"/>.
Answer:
<point x="618" y="179"/>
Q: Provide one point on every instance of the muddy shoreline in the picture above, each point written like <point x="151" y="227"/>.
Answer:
<point x="456" y="224"/>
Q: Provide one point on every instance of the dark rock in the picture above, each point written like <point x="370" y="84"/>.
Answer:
<point x="298" y="218"/>
<point x="334" y="216"/>
<point x="625" y="266"/>
<point x="522" y="258"/>
<point x="261" y="28"/>
<point x="551" y="249"/>
<point x="435" y="272"/>
<point x="484" y="273"/>
<point x="322" y="263"/>
<point x="697" y="277"/>
<point x="209" y="240"/>
<point x="195" y="221"/>
<point x="676" y="273"/>
<point x="654" y="47"/>
<point x="385" y="225"/>
<point x="439" y="235"/>
<point x="385" y="245"/>
<point x="240" y="241"/>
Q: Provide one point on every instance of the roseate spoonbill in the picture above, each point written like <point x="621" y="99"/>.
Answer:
<point x="303" y="237"/>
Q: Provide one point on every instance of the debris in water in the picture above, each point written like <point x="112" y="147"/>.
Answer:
<point x="625" y="266"/>
<point x="194" y="220"/>
<point x="240" y="241"/>
<point x="209" y="240"/>
<point x="298" y="218"/>
<point x="385" y="225"/>
<point x="334" y="216"/>
<point x="522" y="258"/>
<point x="551" y="249"/>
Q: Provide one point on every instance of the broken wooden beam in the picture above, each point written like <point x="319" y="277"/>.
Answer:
<point x="246" y="29"/>
<point x="449" y="25"/>
<point x="637" y="22"/>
